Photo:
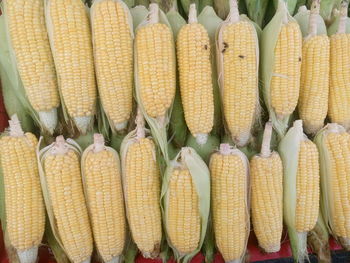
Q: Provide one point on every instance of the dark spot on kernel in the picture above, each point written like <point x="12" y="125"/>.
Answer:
<point x="299" y="59"/>
<point x="241" y="56"/>
<point x="225" y="45"/>
<point x="205" y="47"/>
<point x="223" y="51"/>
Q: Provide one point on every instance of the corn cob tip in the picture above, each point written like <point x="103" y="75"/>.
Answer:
<point x="15" y="127"/>
<point x="235" y="261"/>
<point x="225" y="149"/>
<point x="201" y="138"/>
<point x="242" y="139"/>
<point x="233" y="16"/>
<point x="192" y="14"/>
<point x="82" y="123"/>
<point x="140" y="125"/>
<point x="99" y="142"/>
<point x="343" y="17"/>
<point x="88" y="260"/>
<point x="265" y="147"/>
<point x="153" y="13"/>
<point x="345" y="242"/>
<point x="335" y="128"/>
<point x="60" y="146"/>
<point x="28" y="255"/>
<point x="273" y="248"/>
<point x="49" y="119"/>
<point x="314" y="11"/>
<point x="303" y="8"/>
<point x="121" y="126"/>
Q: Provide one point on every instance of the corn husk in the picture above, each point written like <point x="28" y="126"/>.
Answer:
<point x="234" y="17"/>
<point x="256" y="10"/>
<point x="328" y="201"/>
<point x="42" y="154"/>
<point x="268" y="42"/>
<point x="303" y="18"/>
<point x="189" y="159"/>
<point x="204" y="150"/>
<point x="85" y="123"/>
<point x="185" y="4"/>
<point x="289" y="152"/>
<point x="204" y="3"/>
<point x="166" y="5"/>
<point x="341" y="22"/>
<point x="327" y="8"/>
<point x="142" y="2"/>
<point x="222" y="8"/>
<point x="129" y="3"/>
<point x="103" y="119"/>
<point x="158" y="125"/>
<point x="177" y="126"/>
<point x="211" y="22"/>
<point x="15" y="98"/>
<point x="291" y="4"/>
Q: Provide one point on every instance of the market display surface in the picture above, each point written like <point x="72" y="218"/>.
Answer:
<point x="174" y="130"/>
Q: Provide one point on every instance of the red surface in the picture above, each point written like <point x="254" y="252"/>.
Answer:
<point x="255" y="254"/>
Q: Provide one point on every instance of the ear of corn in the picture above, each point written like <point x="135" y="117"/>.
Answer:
<point x="314" y="86"/>
<point x="281" y="49"/>
<point x="238" y="60"/>
<point x="59" y="165"/>
<point x="186" y="202"/>
<point x="24" y="217"/>
<point x="113" y="59"/>
<point x="230" y="201"/>
<point x="193" y="47"/>
<point x="266" y="173"/>
<point x="101" y="175"/>
<point x="141" y="182"/>
<point x="71" y="46"/>
<point x="32" y="56"/>
<point x="155" y="73"/>
<point x="211" y="22"/>
<point x="333" y="143"/>
<point x="339" y="90"/>
<point x="301" y="186"/>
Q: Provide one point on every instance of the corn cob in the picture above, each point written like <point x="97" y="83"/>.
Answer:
<point x="32" y="55"/>
<point x="24" y="206"/>
<point x="238" y="59"/>
<point x="301" y="186"/>
<point x="339" y="90"/>
<point x="186" y="201"/>
<point x="141" y="182"/>
<point x="113" y="59"/>
<point x="229" y="176"/>
<point x="267" y="195"/>
<point x="193" y="53"/>
<point x="102" y="181"/>
<point x="333" y="143"/>
<point x="70" y="37"/>
<point x="155" y="65"/>
<point x="281" y="51"/>
<point x="64" y="198"/>
<point x="314" y="86"/>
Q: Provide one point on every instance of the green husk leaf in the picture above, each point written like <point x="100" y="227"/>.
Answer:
<point x="209" y="242"/>
<point x="289" y="152"/>
<point x="256" y="10"/>
<point x="139" y="14"/>
<point x="142" y="2"/>
<point x="129" y="3"/>
<point x="326" y="171"/>
<point x="204" y="3"/>
<point x="85" y="140"/>
<point x="116" y="141"/>
<point x="303" y="17"/>
<point x="173" y="150"/>
<point x="334" y="27"/>
<point x="205" y="150"/>
<point x="299" y="4"/>
<point x="41" y="155"/>
<point x="158" y="127"/>
<point x="166" y="5"/>
<point x="103" y="120"/>
<point x="268" y="42"/>
<point x="130" y="252"/>
<point x="177" y="125"/>
<point x="14" y="94"/>
<point x="201" y="179"/>
<point x="318" y="241"/>
<point x="327" y="7"/>
<point x="291" y="4"/>
<point x="211" y="22"/>
<point x="222" y="8"/>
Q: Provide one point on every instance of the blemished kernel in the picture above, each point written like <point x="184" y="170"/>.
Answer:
<point x="73" y="56"/>
<point x="308" y="187"/>
<point x="113" y="54"/>
<point x="240" y="73"/>
<point x="25" y="217"/>
<point x="314" y="84"/>
<point x="156" y="71"/>
<point x="183" y="220"/>
<point x="338" y="147"/>
<point x="267" y="200"/>
<point x="68" y="204"/>
<point x="339" y="90"/>
<point x="193" y="55"/>
<point x="229" y="204"/>
<point x="29" y="40"/>
<point x="285" y="82"/>
<point x="142" y="189"/>
<point x="106" y="203"/>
